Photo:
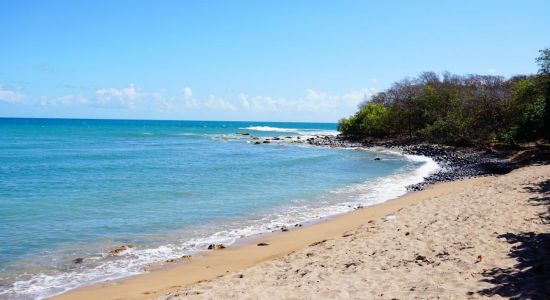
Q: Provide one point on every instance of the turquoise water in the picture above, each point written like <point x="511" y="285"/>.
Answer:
<point x="79" y="188"/>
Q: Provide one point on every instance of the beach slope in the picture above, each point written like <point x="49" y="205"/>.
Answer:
<point x="485" y="236"/>
<point x="489" y="237"/>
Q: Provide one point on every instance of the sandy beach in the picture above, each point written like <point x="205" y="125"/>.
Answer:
<point x="473" y="238"/>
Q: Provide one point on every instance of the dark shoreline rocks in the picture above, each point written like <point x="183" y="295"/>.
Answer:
<point x="78" y="260"/>
<point x="456" y="162"/>
<point x="216" y="247"/>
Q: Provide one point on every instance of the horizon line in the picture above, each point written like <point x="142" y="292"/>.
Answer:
<point x="168" y="120"/>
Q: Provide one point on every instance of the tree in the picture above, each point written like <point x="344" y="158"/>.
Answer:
<point x="544" y="70"/>
<point x="373" y="120"/>
<point x="544" y="61"/>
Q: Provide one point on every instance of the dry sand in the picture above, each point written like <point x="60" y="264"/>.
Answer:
<point x="467" y="239"/>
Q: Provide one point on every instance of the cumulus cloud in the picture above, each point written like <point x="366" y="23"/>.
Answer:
<point x="125" y="97"/>
<point x="264" y="103"/>
<point x="244" y="101"/>
<point x="311" y="101"/>
<point x="354" y="97"/>
<point x="217" y="103"/>
<point x="10" y="95"/>
<point x="313" y="104"/>
<point x="317" y="100"/>
<point x="188" y="99"/>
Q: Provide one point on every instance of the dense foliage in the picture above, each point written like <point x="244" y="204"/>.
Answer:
<point x="454" y="109"/>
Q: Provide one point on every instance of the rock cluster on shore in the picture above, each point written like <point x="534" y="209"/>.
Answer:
<point x="456" y="163"/>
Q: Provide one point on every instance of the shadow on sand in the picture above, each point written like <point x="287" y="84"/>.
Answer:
<point x="530" y="277"/>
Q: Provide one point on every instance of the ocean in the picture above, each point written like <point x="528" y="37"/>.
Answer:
<point x="72" y="188"/>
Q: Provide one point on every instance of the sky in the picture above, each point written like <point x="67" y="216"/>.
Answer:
<point x="279" y="60"/>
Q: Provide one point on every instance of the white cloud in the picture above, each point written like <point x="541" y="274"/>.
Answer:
<point x="244" y="101"/>
<point x="269" y="104"/>
<point x="188" y="100"/>
<point x="10" y="96"/>
<point x="317" y="100"/>
<point x="125" y="97"/>
<point x="312" y="105"/>
<point x="217" y="103"/>
<point x="313" y="101"/>
<point x="353" y="98"/>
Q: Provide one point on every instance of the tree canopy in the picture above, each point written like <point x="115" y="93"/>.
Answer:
<point x="453" y="109"/>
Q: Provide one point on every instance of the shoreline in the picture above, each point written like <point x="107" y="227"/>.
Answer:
<point x="168" y="262"/>
<point x="246" y="253"/>
<point x="459" y="166"/>
<point x="244" y="240"/>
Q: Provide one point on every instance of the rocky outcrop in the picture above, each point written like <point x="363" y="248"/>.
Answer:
<point x="457" y="162"/>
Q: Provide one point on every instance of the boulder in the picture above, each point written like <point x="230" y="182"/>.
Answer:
<point x="78" y="260"/>
<point x="216" y="246"/>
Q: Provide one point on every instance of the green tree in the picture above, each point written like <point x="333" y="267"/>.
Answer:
<point x="544" y="70"/>
<point x="454" y="109"/>
<point x="544" y="61"/>
<point x="373" y="120"/>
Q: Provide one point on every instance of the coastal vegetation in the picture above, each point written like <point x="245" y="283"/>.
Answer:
<point x="459" y="109"/>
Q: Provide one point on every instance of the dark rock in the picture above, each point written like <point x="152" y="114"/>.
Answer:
<point x="78" y="260"/>
<point x="421" y="258"/>
<point x="216" y="246"/>
<point x="263" y="244"/>
<point x="456" y="162"/>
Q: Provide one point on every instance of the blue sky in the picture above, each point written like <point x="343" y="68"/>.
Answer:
<point x="247" y="60"/>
